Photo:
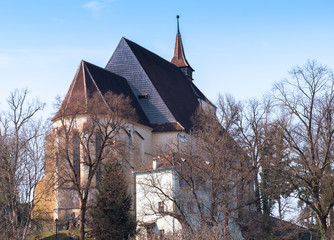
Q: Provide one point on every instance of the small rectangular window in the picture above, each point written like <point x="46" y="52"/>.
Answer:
<point x="190" y="208"/>
<point x="161" y="234"/>
<point x="161" y="207"/>
<point x="200" y="183"/>
<point x="201" y="206"/>
<point x="182" y="183"/>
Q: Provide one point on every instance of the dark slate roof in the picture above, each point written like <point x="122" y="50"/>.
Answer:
<point x="179" y="94"/>
<point x="90" y="79"/>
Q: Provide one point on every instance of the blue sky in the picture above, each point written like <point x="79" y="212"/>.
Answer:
<point x="236" y="47"/>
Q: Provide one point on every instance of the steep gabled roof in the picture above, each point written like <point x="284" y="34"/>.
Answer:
<point x="91" y="79"/>
<point x="179" y="94"/>
<point x="75" y="98"/>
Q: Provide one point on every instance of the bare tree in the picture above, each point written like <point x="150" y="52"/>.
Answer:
<point x="306" y="104"/>
<point x="256" y="126"/>
<point x="213" y="180"/>
<point x="22" y="144"/>
<point x="84" y="138"/>
<point x="262" y="139"/>
<point x="251" y="135"/>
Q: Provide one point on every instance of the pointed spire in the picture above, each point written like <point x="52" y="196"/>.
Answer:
<point x="179" y="58"/>
<point x="178" y="28"/>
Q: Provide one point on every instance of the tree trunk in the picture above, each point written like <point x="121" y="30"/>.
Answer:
<point x="226" y="231"/>
<point x="82" y="221"/>
<point x="14" y="219"/>
<point x="279" y="207"/>
<point x="323" y="227"/>
<point x="257" y="194"/>
<point x="24" y="234"/>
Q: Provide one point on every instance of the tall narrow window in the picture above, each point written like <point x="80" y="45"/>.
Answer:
<point x="182" y="183"/>
<point x="190" y="207"/>
<point x="76" y="156"/>
<point x="98" y="143"/>
<point x="199" y="183"/>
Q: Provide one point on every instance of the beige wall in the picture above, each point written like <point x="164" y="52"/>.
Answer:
<point x="143" y="145"/>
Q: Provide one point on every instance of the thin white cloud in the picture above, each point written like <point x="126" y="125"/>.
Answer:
<point x="96" y="6"/>
<point x="58" y="20"/>
<point x="6" y="61"/>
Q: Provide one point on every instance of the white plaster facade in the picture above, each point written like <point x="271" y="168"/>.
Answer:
<point x="151" y="204"/>
<point x="157" y="188"/>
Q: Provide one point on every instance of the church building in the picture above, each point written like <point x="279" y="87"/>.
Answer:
<point x="162" y="93"/>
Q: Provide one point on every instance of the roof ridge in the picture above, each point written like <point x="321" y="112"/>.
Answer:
<point x="113" y="53"/>
<point x="178" y="97"/>
<point x="141" y="64"/>
<point x="127" y="40"/>
<point x="66" y="102"/>
<point x="85" y="87"/>
<point x="74" y="82"/>
<point x="97" y="88"/>
<point x="104" y="69"/>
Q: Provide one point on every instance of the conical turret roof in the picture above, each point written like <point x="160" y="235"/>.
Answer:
<point x="179" y="58"/>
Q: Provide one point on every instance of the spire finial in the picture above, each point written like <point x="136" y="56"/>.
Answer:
<point x="178" y="28"/>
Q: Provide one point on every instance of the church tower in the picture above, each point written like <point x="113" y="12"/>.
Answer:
<point x="179" y="58"/>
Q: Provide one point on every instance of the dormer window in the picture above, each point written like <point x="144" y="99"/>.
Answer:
<point x="187" y="71"/>
<point x="143" y="96"/>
